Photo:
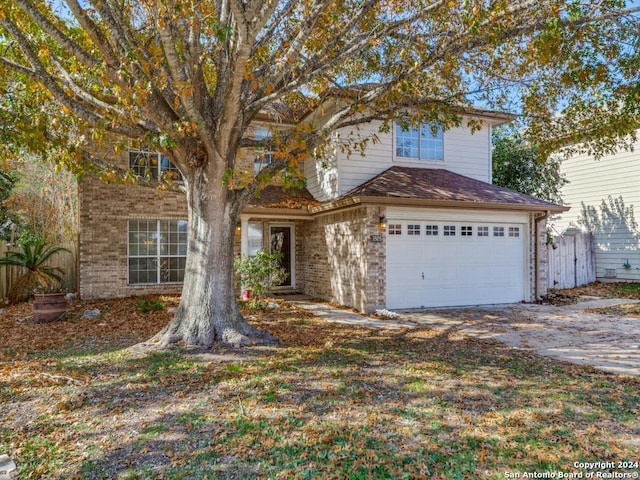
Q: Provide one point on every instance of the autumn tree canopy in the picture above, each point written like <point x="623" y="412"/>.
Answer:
<point x="516" y="165"/>
<point x="188" y="77"/>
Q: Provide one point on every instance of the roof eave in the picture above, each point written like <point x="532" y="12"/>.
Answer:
<point x="302" y="213"/>
<point x="496" y="118"/>
<point x="423" y="202"/>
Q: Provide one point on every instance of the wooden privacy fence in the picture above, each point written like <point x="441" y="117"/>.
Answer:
<point x="67" y="261"/>
<point x="571" y="261"/>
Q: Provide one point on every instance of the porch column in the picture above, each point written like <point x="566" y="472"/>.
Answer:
<point x="244" y="235"/>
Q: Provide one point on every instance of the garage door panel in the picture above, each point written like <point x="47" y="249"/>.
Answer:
<point x="458" y="269"/>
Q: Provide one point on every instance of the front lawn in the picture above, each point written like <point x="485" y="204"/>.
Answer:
<point x="604" y="290"/>
<point x="331" y="402"/>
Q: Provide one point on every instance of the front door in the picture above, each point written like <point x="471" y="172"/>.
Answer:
<point x="280" y="239"/>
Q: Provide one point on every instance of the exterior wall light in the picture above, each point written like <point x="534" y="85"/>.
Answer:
<point x="382" y="223"/>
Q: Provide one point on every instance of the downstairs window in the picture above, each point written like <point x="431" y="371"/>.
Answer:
<point x="157" y="251"/>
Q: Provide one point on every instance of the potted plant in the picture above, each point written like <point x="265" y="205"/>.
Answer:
<point x="39" y="279"/>
<point x="257" y="275"/>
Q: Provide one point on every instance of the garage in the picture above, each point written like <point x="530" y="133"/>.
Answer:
<point x="451" y="259"/>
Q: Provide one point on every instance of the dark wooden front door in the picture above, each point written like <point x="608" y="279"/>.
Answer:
<point x="280" y="240"/>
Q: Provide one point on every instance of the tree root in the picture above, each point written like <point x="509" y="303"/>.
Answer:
<point x="251" y="336"/>
<point x="246" y="336"/>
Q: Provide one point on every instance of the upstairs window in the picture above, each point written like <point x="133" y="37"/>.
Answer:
<point x="263" y="156"/>
<point x="153" y="165"/>
<point x="423" y="143"/>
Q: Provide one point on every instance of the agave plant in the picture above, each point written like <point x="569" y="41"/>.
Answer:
<point x="38" y="276"/>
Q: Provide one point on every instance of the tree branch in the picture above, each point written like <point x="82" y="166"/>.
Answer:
<point x="72" y="48"/>
<point x="243" y="27"/>
<point x="123" y="175"/>
<point x="319" y="63"/>
<point x="79" y="92"/>
<point x="284" y="13"/>
<point x="159" y="109"/>
<point x="16" y="67"/>
<point x="298" y="43"/>
<point x="94" y="32"/>
<point x="179" y="74"/>
<point x="40" y="74"/>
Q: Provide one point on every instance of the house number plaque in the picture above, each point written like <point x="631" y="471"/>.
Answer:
<point x="376" y="238"/>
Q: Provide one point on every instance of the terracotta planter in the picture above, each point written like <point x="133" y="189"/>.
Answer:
<point x="49" y="307"/>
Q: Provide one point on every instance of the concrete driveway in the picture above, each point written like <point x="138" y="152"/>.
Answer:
<point x="567" y="332"/>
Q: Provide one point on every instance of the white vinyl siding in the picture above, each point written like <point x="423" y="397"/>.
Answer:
<point x="322" y="175"/>
<point x="593" y="181"/>
<point x="464" y="153"/>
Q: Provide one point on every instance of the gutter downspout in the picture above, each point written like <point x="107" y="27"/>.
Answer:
<point x="490" y="172"/>
<point x="537" y="252"/>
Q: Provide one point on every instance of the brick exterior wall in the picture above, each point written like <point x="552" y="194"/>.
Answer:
<point x="104" y="214"/>
<point x="340" y="263"/>
<point x="538" y="261"/>
<point x="541" y="259"/>
<point x="105" y="211"/>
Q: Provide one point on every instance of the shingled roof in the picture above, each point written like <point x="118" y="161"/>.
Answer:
<point x="439" y="185"/>
<point x="276" y="196"/>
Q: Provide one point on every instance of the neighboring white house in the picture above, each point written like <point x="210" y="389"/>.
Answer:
<point x="602" y="195"/>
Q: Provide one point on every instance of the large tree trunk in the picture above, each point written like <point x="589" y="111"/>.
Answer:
<point x="208" y="311"/>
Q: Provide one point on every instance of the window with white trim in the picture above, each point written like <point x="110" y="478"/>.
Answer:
<point x="431" y="230"/>
<point x="514" y="231"/>
<point x="422" y="143"/>
<point x="449" y="230"/>
<point x="157" y="251"/>
<point x="262" y="157"/>
<point x="413" y="229"/>
<point x="153" y="165"/>
<point x="498" y="231"/>
<point x="483" y="231"/>
<point x="466" y="231"/>
<point x="395" y="229"/>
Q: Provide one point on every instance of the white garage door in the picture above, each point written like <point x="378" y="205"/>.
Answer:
<point x="453" y="263"/>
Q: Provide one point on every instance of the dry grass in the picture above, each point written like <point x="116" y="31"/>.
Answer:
<point x="604" y="290"/>
<point x="331" y="402"/>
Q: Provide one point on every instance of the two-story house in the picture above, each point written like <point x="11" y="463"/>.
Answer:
<point x="414" y="222"/>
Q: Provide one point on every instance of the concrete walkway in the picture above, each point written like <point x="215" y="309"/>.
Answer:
<point x="340" y="315"/>
<point x="567" y="333"/>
